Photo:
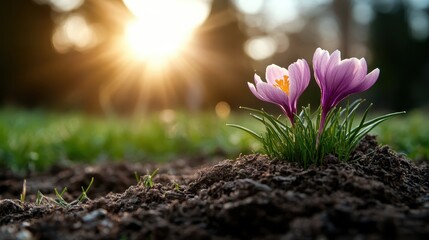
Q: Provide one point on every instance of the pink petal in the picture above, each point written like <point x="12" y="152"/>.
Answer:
<point x="272" y="94"/>
<point x="274" y="73"/>
<point x="257" y="78"/>
<point x="339" y="78"/>
<point x="359" y="73"/>
<point x="363" y="65"/>
<point x="320" y="60"/>
<point x="334" y="60"/>
<point x="299" y="78"/>
<point x="255" y="92"/>
<point x="369" y="80"/>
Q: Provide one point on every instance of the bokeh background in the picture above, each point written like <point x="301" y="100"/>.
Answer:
<point x="132" y="56"/>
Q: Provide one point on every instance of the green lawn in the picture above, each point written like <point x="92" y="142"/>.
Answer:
<point x="408" y="134"/>
<point x="37" y="139"/>
<point x="34" y="140"/>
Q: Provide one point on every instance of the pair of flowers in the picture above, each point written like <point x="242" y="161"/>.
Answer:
<point x="336" y="78"/>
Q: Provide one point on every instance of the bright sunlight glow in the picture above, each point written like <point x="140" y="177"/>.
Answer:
<point x="162" y="28"/>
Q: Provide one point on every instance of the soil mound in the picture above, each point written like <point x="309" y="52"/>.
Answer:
<point x="378" y="194"/>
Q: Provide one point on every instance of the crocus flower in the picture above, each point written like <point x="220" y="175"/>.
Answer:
<point x="338" y="78"/>
<point x="283" y="87"/>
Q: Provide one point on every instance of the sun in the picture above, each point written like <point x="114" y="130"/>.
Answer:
<point x="155" y="54"/>
<point x="163" y="28"/>
<point x="149" y="42"/>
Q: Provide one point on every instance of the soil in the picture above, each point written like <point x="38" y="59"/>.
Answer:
<point x="379" y="194"/>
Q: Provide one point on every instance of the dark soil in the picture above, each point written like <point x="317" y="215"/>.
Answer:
<point x="377" y="195"/>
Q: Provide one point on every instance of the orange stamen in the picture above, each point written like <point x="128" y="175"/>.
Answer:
<point x="283" y="84"/>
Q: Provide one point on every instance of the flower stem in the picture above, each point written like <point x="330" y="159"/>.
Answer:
<point x="321" y="127"/>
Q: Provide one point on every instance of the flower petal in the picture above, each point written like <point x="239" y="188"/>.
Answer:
<point x="255" y="92"/>
<point x="338" y="78"/>
<point x="274" y="73"/>
<point x="334" y="61"/>
<point x="343" y="74"/>
<point x="359" y="72"/>
<point x="368" y="81"/>
<point x="299" y="75"/>
<point x="257" y="78"/>
<point x="285" y="97"/>
<point x="320" y="60"/>
<point x="272" y="94"/>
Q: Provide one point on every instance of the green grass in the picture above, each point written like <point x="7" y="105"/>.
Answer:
<point x="35" y="140"/>
<point x="304" y="139"/>
<point x="408" y="134"/>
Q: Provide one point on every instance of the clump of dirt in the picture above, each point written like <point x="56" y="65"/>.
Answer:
<point x="378" y="194"/>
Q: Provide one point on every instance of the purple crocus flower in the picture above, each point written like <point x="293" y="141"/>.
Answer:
<point x="283" y="87"/>
<point x="338" y="78"/>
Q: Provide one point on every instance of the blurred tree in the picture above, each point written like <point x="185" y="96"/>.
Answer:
<point x="402" y="59"/>
<point x="342" y="10"/>
<point x="32" y="73"/>
<point x="25" y="45"/>
<point x="226" y="67"/>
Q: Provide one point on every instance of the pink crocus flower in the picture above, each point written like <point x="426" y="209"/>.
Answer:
<point x="283" y="86"/>
<point x="338" y="78"/>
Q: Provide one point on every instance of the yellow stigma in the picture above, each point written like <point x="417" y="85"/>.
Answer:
<point x="283" y="84"/>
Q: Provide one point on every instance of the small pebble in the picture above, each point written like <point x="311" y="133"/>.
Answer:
<point x="99" y="213"/>
<point x="24" y="235"/>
